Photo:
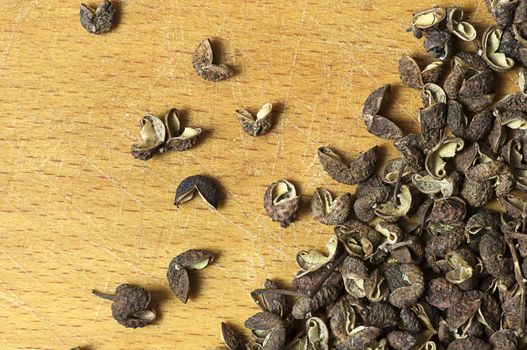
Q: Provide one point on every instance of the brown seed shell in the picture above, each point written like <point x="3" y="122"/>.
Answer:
<point x="178" y="281"/>
<point x="401" y="340"/>
<point x="231" y="338"/>
<point x="100" y="20"/>
<point x="410" y="73"/>
<point x="204" y="186"/>
<point x="358" y="170"/>
<point x="202" y="61"/>
<point x="329" y="211"/>
<point x="256" y="125"/>
<point x="443" y="294"/>
<point x="281" y="202"/>
<point x="449" y="210"/>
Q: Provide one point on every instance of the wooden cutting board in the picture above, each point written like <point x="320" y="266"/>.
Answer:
<point x="78" y="212"/>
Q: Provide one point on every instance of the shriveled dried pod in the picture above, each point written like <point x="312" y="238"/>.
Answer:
<point x="377" y="124"/>
<point x="281" y="202"/>
<point x="435" y="160"/>
<point x="512" y="102"/>
<point x="232" y="339"/>
<point x="203" y="63"/>
<point x="503" y="11"/>
<point x="513" y="303"/>
<point x="491" y="41"/>
<point x="100" y="20"/>
<point x="406" y="284"/>
<point x="204" y="186"/>
<point x="443" y="294"/>
<point x="317" y="334"/>
<point x="256" y="125"/>
<point x="391" y="170"/>
<point x="177" y="139"/>
<point x="492" y="250"/>
<point x="358" y="170"/>
<point x="271" y="324"/>
<point x="358" y="238"/>
<point x="130" y="305"/>
<point x="393" y="211"/>
<point x="363" y="337"/>
<point x="272" y="302"/>
<point x="369" y="194"/>
<point x="428" y="18"/>
<point x="343" y="317"/>
<point x="427" y="184"/>
<point x="410" y="73"/>
<point x="478" y="128"/>
<point x="375" y="287"/>
<point x="445" y="238"/>
<point x="391" y="232"/>
<point x="409" y="321"/>
<point x="463" y="30"/>
<point x="354" y="268"/>
<point x="313" y="260"/>
<point x="177" y="274"/>
<point x="450" y="210"/>
<point x="328" y="210"/>
<point x="504" y="340"/>
<point x="464" y="268"/>
<point x="438" y="42"/>
<point x="379" y="315"/>
<point x="327" y="295"/>
<point x="153" y="133"/>
<point x="402" y="340"/>
<point x="512" y="154"/>
<point x="514" y="206"/>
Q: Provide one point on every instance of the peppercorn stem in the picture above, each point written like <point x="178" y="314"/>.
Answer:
<point x="398" y="183"/>
<point x="311" y="292"/>
<point x="103" y="295"/>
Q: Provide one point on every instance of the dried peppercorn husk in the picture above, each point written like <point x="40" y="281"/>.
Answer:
<point x="379" y="315"/>
<point x="130" y="306"/>
<point x="232" y="339"/>
<point x="411" y="74"/>
<point x="491" y="42"/>
<point x="394" y="211"/>
<point x="369" y="194"/>
<point x="177" y="273"/>
<point x="343" y="316"/>
<point x="377" y="124"/>
<point x="273" y="325"/>
<point x="458" y="123"/>
<point x="438" y="42"/>
<point x="100" y="20"/>
<point x="313" y="260"/>
<point x="203" y="63"/>
<point x="358" y="170"/>
<point x="256" y="125"/>
<point x="271" y="302"/>
<point x="281" y="202"/>
<point x="450" y="210"/>
<point x="303" y="307"/>
<point x="435" y="160"/>
<point x="153" y="133"/>
<point x="328" y="210"/>
<point x="205" y="186"/>
<point x="406" y="284"/>
<point x="178" y="139"/>
<point x="463" y="30"/>
<point x="162" y="135"/>
<point x="358" y="238"/>
<point x="503" y="11"/>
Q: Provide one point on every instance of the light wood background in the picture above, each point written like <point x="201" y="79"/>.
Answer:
<point x="78" y="212"/>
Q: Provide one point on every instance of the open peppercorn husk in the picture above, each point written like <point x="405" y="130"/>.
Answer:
<point x="130" y="306"/>
<point x="160" y="135"/>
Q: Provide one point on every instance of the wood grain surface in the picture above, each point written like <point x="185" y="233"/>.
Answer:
<point x="78" y="212"/>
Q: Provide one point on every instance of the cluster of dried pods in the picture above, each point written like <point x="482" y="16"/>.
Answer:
<point x="131" y="304"/>
<point x="418" y="260"/>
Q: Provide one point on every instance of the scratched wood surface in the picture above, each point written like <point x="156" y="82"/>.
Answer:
<point x="77" y="212"/>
